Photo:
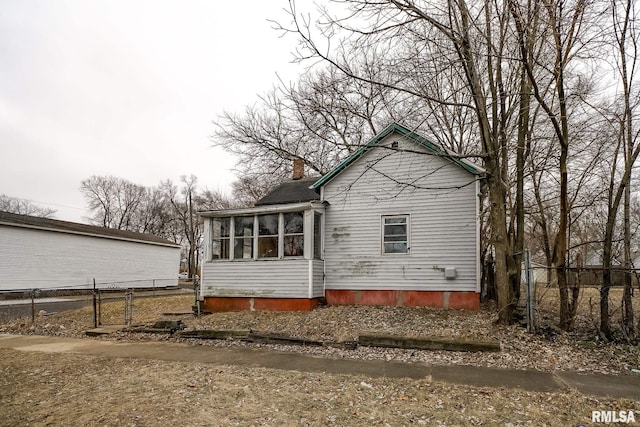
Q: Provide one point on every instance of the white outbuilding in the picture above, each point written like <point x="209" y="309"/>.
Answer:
<point x="46" y="253"/>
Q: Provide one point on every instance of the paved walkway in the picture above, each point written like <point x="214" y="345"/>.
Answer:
<point x="597" y="385"/>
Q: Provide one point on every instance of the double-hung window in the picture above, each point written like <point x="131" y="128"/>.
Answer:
<point x="395" y="234"/>
<point x="243" y="237"/>
<point x="293" y="234"/>
<point x="268" y="236"/>
<point x="221" y="238"/>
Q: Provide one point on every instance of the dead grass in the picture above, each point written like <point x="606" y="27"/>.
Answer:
<point x="588" y="312"/>
<point x="547" y="351"/>
<point x="41" y="389"/>
<point x="62" y="389"/>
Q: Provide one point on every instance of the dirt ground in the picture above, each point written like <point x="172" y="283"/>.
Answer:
<point x="547" y="350"/>
<point x="38" y="389"/>
<point x="44" y="389"/>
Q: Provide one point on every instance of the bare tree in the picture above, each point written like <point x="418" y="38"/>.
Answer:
<point x="113" y="201"/>
<point x="248" y="189"/>
<point x="420" y="39"/>
<point x="24" y="207"/>
<point x="321" y="119"/>
<point x="565" y="24"/>
<point x="184" y="205"/>
<point x="186" y="202"/>
<point x="626" y="39"/>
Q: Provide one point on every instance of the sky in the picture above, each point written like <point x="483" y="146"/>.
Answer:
<point x="129" y="89"/>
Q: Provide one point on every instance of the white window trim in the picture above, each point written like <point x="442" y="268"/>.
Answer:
<point x="408" y="221"/>
<point x="257" y="230"/>
<point x="256" y="236"/>
<point x="303" y="234"/>
<point x="210" y="232"/>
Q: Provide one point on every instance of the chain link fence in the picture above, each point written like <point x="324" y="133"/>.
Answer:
<point x="102" y="304"/>
<point x="586" y="282"/>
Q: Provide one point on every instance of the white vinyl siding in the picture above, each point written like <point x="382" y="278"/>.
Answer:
<point x="288" y="278"/>
<point x="318" y="278"/>
<point x="44" y="259"/>
<point x="439" y="199"/>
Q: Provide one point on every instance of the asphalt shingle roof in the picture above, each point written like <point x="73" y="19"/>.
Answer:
<point x="27" y="221"/>
<point x="291" y="191"/>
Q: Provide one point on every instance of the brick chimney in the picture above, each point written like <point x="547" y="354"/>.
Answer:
<point x="298" y="168"/>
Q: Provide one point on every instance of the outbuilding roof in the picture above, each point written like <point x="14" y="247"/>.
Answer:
<point x="291" y="191"/>
<point x="38" y="223"/>
<point x="394" y="127"/>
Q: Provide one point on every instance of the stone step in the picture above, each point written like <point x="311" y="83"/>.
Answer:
<point x="429" y="343"/>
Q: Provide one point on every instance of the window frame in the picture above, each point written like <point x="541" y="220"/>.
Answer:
<point x="252" y="238"/>
<point x="407" y="241"/>
<point x="318" y="228"/>
<point x="269" y="236"/>
<point x="233" y="240"/>
<point x="292" y="235"/>
<point x="221" y="239"/>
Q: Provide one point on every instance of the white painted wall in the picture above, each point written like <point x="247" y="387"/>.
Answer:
<point x="42" y="259"/>
<point x="443" y="222"/>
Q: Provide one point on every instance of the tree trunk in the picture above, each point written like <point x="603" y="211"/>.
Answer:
<point x="499" y="239"/>
<point x="627" y="302"/>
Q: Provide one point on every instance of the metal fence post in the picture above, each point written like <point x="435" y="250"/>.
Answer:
<point x="196" y="291"/>
<point x="530" y="291"/>
<point x="95" y="305"/>
<point x="128" y="307"/>
<point x="33" y="306"/>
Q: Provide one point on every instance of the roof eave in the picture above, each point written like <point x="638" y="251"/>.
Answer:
<point x="263" y="209"/>
<point x="394" y="127"/>
<point x="89" y="234"/>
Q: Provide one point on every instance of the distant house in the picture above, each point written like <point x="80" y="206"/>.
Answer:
<point x="45" y="253"/>
<point x="396" y="223"/>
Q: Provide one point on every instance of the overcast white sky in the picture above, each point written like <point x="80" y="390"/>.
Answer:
<point x="127" y="88"/>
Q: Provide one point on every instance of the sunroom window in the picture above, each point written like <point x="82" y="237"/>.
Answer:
<point x="243" y="237"/>
<point x="221" y="238"/>
<point x="395" y="234"/>
<point x="268" y="236"/>
<point x="293" y="234"/>
<point x="317" y="235"/>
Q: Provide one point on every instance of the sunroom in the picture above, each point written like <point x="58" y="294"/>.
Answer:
<point x="263" y="257"/>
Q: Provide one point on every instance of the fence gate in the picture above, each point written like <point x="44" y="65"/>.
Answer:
<point x="113" y="307"/>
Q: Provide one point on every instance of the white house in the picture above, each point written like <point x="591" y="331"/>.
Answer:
<point x="396" y="223"/>
<point x="45" y="253"/>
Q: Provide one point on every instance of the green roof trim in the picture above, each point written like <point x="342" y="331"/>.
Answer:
<point x="394" y="127"/>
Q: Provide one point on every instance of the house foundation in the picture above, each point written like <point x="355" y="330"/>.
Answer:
<point x="445" y="299"/>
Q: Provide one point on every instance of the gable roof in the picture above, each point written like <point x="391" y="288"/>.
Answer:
<point x="394" y="127"/>
<point x="47" y="224"/>
<point x="292" y="191"/>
